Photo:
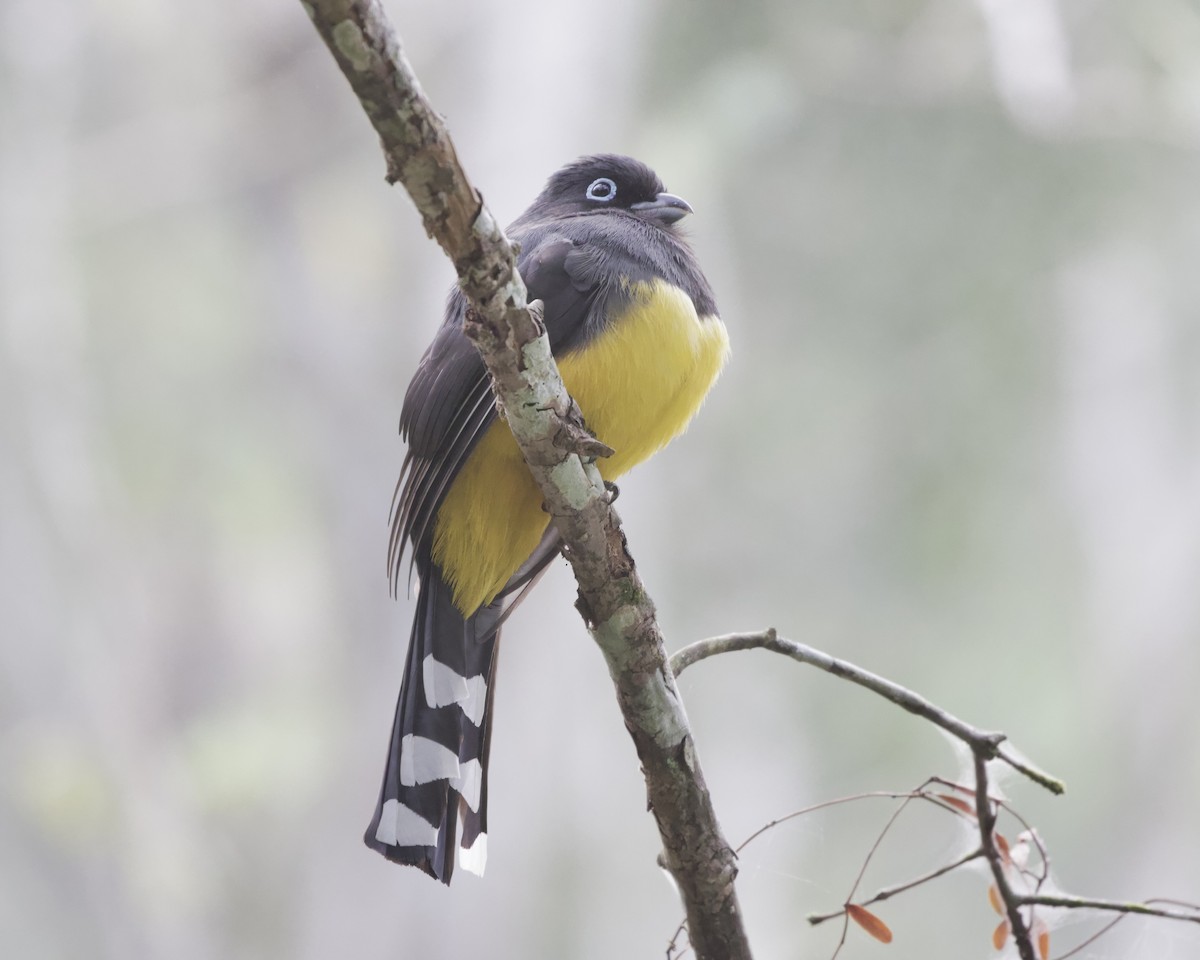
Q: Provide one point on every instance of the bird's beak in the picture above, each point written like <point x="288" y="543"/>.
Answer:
<point x="666" y="208"/>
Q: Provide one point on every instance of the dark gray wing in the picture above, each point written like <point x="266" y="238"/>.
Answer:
<point x="449" y="404"/>
<point x="448" y="407"/>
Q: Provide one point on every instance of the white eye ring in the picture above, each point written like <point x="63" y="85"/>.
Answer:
<point x="602" y="190"/>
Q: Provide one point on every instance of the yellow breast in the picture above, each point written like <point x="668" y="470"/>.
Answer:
<point x="638" y="384"/>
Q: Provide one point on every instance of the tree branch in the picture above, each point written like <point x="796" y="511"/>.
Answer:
<point x="980" y="741"/>
<point x="986" y="814"/>
<point x="512" y="341"/>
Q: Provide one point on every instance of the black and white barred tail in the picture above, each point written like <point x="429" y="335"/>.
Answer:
<point x="434" y="794"/>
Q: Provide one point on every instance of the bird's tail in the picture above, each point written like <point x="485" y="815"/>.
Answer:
<point x="435" y="784"/>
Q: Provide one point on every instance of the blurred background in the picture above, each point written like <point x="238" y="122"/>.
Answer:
<point x="956" y="247"/>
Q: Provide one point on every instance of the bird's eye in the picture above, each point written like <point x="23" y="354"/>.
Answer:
<point x="602" y="189"/>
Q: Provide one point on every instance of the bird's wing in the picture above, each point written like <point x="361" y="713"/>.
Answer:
<point x="449" y="404"/>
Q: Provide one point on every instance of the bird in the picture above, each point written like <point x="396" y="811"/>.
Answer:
<point x="637" y="337"/>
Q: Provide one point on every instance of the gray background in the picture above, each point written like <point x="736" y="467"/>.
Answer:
<point x="956" y="247"/>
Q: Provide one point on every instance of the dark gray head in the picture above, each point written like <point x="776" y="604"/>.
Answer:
<point x="608" y="181"/>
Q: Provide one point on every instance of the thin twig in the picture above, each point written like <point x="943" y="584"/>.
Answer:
<point x="863" y="869"/>
<point x="875" y="846"/>
<point x="887" y="893"/>
<point x="883" y="794"/>
<point x="1084" y="944"/>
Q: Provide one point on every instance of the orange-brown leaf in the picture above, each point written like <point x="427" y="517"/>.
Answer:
<point x="1043" y="939"/>
<point x="994" y="899"/>
<point x="869" y="922"/>
<point x="1000" y="935"/>
<point x="1002" y="846"/>
<point x="957" y="803"/>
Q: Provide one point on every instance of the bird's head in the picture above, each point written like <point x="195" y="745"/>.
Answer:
<point x="609" y="181"/>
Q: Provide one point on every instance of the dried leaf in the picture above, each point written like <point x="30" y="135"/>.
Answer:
<point x="1043" y="939"/>
<point x="957" y="803"/>
<point x="869" y="922"/>
<point x="994" y="899"/>
<point x="1002" y="846"/>
<point x="1000" y="935"/>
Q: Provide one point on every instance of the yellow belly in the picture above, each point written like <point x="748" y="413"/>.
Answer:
<point x="638" y="384"/>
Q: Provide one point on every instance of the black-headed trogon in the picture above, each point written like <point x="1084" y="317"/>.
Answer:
<point x="635" y="331"/>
